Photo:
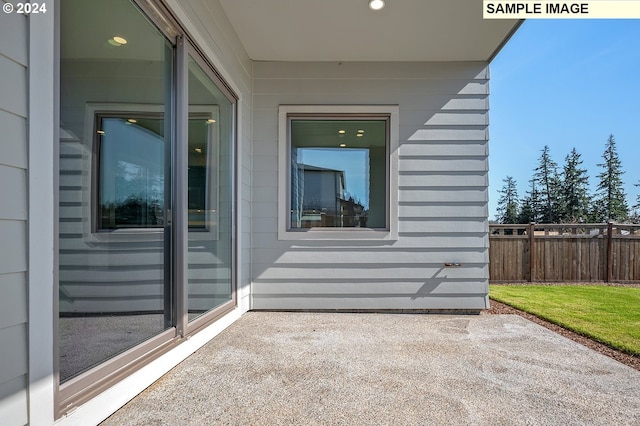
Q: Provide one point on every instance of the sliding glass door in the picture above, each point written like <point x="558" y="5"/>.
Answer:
<point x="115" y="142"/>
<point x="146" y="175"/>
<point x="210" y="199"/>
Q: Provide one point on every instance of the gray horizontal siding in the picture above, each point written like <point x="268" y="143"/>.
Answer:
<point x="13" y="219"/>
<point x="335" y="255"/>
<point x="13" y="149"/>
<point x="433" y="240"/>
<point x="369" y="70"/>
<point x="346" y="301"/>
<point x="442" y="184"/>
<point x="410" y="100"/>
<point x="299" y="288"/>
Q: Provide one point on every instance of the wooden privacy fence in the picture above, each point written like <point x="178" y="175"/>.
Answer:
<point x="562" y="252"/>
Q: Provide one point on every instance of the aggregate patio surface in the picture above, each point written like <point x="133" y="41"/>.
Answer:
<point x="283" y="368"/>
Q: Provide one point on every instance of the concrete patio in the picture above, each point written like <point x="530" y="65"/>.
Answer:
<point x="282" y="368"/>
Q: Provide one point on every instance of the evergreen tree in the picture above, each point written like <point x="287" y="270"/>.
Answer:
<point x="610" y="202"/>
<point x="574" y="190"/>
<point x="634" y="217"/>
<point x="547" y="180"/>
<point x="531" y="208"/>
<point x="508" y="202"/>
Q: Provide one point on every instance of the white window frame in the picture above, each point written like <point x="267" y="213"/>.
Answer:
<point x="284" y="178"/>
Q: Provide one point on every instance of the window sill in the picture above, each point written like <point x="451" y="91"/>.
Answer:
<point x="338" y="234"/>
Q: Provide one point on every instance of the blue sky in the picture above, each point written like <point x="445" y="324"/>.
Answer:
<point x="565" y="83"/>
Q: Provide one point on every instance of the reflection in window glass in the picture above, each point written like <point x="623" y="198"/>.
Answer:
<point x="201" y="146"/>
<point x="131" y="173"/>
<point x="338" y="173"/>
<point x="115" y="288"/>
<point x="210" y="159"/>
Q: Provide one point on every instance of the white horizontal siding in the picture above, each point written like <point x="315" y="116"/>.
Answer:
<point x="442" y="209"/>
<point x="13" y="219"/>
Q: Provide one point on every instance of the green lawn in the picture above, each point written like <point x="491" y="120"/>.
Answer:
<point x="610" y="315"/>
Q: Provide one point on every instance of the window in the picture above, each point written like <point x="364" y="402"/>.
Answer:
<point x="130" y="172"/>
<point x="335" y="172"/>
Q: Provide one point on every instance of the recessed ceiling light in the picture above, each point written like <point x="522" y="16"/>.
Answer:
<point x="342" y="132"/>
<point x="359" y="135"/>
<point x="100" y="132"/>
<point x="117" y="41"/>
<point x="342" y="145"/>
<point x="211" y="121"/>
<point x="198" y="150"/>
<point x="360" y="131"/>
<point x="376" y="4"/>
<point x="132" y="120"/>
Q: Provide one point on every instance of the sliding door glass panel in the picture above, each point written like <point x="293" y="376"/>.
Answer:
<point x="210" y="171"/>
<point x="114" y="237"/>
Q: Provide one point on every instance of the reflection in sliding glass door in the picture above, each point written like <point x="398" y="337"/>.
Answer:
<point x="114" y="234"/>
<point x="210" y="178"/>
<point x="146" y="245"/>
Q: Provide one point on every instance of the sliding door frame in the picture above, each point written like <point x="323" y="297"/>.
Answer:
<point x="90" y="383"/>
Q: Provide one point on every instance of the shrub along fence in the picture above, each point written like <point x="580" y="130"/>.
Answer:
<point x="564" y="252"/>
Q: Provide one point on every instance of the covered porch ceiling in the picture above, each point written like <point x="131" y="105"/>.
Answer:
<point x="348" y="30"/>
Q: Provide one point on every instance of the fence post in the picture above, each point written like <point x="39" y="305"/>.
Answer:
<point x="532" y="253"/>
<point x="609" y="277"/>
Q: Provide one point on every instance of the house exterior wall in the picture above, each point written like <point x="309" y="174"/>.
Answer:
<point x="442" y="191"/>
<point x="13" y="218"/>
